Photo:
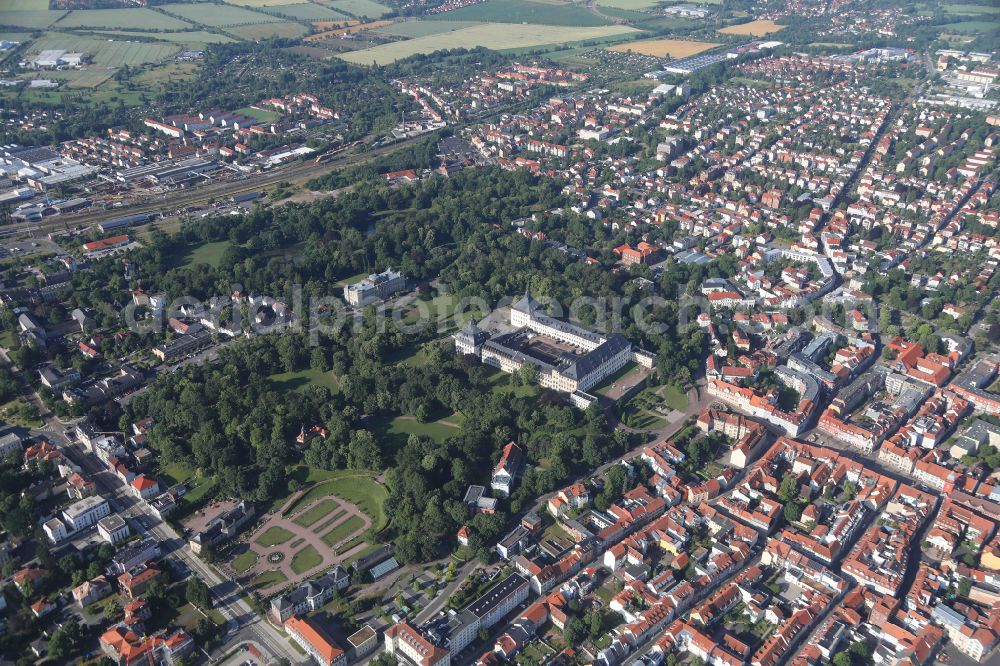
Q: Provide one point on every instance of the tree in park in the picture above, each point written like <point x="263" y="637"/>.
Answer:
<point x="197" y="593"/>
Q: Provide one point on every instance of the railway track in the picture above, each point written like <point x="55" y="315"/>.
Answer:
<point x="182" y="198"/>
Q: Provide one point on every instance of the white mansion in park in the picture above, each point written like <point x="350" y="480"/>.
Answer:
<point x="569" y="358"/>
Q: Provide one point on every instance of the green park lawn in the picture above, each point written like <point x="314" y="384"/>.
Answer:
<point x="262" y="115"/>
<point x="503" y="384"/>
<point x="361" y="553"/>
<point x="437" y="430"/>
<point x="293" y="381"/>
<point x="343" y="530"/>
<point x="268" y="578"/>
<point x="209" y="253"/>
<point x="314" y="513"/>
<point x="242" y="562"/>
<point x="357" y="487"/>
<point x="306" y="559"/>
<point x="273" y="536"/>
<point x="675" y="396"/>
<point x="347" y="545"/>
<point x="198" y="487"/>
<point x="353" y="279"/>
<point x="608" y="384"/>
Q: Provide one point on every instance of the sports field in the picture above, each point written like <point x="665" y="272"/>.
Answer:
<point x="105" y="52"/>
<point x="524" y="11"/>
<point x="662" y="48"/>
<point x="497" y="36"/>
<point x="365" y="8"/>
<point x="138" y="18"/>
<point x="218" y="16"/>
<point x="757" y="28"/>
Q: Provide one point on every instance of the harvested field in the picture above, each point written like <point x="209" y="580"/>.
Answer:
<point x="265" y="30"/>
<point x="348" y="30"/>
<point x="662" y="48"/>
<point x="497" y="36"/>
<point x="757" y="28"/>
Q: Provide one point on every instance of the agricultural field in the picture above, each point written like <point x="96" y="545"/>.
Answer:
<point x="757" y="28"/>
<point x="359" y="8"/>
<point x="524" y="11"/>
<point x="25" y="5"/>
<point x="218" y="16"/>
<point x="304" y="11"/>
<point x="412" y="29"/>
<point x="15" y="36"/>
<point x="971" y="27"/>
<point x="106" y="53"/>
<point x="497" y="36"/>
<point x="187" y="37"/>
<point x="139" y="18"/>
<point x="969" y="9"/>
<point x="30" y="19"/>
<point x="629" y="4"/>
<point x="80" y="78"/>
<point x="257" y="4"/>
<point x="330" y="25"/>
<point x="346" y="28"/>
<point x="266" y="30"/>
<point x="662" y="48"/>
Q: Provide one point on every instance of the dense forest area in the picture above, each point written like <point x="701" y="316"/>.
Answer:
<point x="230" y="420"/>
<point x="233" y="422"/>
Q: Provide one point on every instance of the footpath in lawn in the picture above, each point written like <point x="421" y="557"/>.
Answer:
<point x="303" y="379"/>
<point x="438" y="430"/>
